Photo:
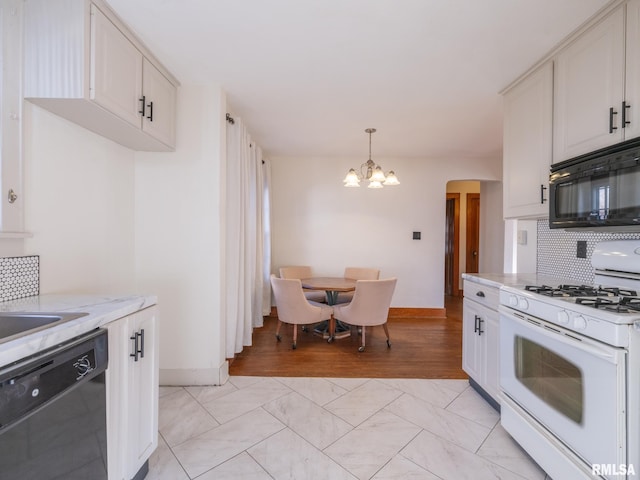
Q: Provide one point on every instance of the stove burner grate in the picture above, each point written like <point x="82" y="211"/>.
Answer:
<point x="619" y="305"/>
<point x="579" y="291"/>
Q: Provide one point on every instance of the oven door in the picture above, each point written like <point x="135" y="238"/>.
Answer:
<point x="571" y="385"/>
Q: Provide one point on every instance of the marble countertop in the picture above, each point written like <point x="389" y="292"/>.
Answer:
<point x="498" y="280"/>
<point x="100" y="310"/>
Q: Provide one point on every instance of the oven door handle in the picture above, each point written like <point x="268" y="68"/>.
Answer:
<point x="609" y="354"/>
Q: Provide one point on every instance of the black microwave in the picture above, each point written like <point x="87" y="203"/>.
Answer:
<point x="599" y="189"/>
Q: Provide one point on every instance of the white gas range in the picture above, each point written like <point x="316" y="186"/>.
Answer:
<point x="570" y="369"/>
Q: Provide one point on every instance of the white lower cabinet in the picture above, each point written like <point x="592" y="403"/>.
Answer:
<point x="132" y="393"/>
<point x="480" y="333"/>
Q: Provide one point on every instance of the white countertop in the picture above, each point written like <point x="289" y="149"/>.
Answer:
<point x="100" y="309"/>
<point x="498" y="280"/>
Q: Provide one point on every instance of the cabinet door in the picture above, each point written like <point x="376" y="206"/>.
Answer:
<point x="492" y="354"/>
<point x="11" y="206"/>
<point x="160" y="105"/>
<point x="528" y="110"/>
<point x="117" y="385"/>
<point x="116" y="70"/>
<point x="589" y="80"/>
<point x="472" y="354"/>
<point x="142" y="389"/>
<point x="632" y="70"/>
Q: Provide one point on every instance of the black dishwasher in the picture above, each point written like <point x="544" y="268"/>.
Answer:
<point x="53" y="413"/>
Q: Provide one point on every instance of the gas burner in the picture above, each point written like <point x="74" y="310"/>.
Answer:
<point x="618" y="305"/>
<point x="617" y="292"/>
<point x="567" y="291"/>
<point x="631" y="302"/>
<point x="579" y="290"/>
<point x="542" y="290"/>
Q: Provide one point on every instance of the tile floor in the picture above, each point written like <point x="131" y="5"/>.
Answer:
<point x="333" y="428"/>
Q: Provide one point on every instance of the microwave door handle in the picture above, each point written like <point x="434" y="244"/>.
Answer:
<point x="608" y="356"/>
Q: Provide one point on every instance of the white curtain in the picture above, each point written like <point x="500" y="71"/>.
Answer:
<point x="247" y="238"/>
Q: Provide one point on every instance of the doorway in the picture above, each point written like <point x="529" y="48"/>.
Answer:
<point x="452" y="245"/>
<point x="462" y="233"/>
<point x="473" y="232"/>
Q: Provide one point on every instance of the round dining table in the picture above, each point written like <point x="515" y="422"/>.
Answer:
<point x="332" y="286"/>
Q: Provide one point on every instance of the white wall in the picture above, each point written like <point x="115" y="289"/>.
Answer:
<point x="491" y="228"/>
<point x="78" y="193"/>
<point x="318" y="222"/>
<point x="178" y="239"/>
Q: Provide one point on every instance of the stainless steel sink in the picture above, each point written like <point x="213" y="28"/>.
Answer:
<point x="17" y="324"/>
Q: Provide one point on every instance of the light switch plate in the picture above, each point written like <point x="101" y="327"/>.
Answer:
<point x="522" y="237"/>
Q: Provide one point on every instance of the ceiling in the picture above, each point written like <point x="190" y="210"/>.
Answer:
<point x="308" y="76"/>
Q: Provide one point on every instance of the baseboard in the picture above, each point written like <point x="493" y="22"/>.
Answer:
<point x="403" y="312"/>
<point x="194" y="376"/>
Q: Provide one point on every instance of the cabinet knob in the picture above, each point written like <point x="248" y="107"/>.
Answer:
<point x="480" y="293"/>
<point x="12" y="196"/>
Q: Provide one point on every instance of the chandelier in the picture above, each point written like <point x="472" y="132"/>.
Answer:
<point x="371" y="172"/>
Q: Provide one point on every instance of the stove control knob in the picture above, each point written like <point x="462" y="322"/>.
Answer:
<point x="523" y="304"/>
<point x="579" y="323"/>
<point x="513" y="300"/>
<point x="563" y="317"/>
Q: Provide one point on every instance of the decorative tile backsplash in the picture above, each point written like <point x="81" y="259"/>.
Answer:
<point x="19" y="277"/>
<point x="557" y="251"/>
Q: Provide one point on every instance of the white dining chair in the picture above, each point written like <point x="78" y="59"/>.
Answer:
<point x="294" y="308"/>
<point x="301" y="272"/>
<point x="369" y="307"/>
<point x="357" y="273"/>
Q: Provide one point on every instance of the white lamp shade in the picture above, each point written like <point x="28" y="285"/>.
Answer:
<point x="377" y="176"/>
<point x="375" y="184"/>
<point x="351" y="180"/>
<point x="391" y="179"/>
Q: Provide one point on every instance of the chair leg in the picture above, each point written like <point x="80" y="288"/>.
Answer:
<point x="386" y="331"/>
<point x="361" y="348"/>
<point x="295" y="336"/>
<point x="278" y="337"/>
<point x="332" y="328"/>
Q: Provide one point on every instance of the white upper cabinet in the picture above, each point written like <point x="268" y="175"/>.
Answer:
<point x="591" y="109"/>
<point x="632" y="70"/>
<point x="83" y="64"/>
<point x="11" y="192"/>
<point x="159" y="100"/>
<point x="116" y="77"/>
<point x="528" y="111"/>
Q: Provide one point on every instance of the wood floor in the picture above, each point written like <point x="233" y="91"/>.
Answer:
<point x="420" y="348"/>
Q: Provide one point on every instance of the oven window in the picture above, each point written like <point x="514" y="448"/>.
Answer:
<point x="552" y="378"/>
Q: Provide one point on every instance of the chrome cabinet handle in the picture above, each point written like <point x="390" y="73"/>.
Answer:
<point x="612" y="112"/>
<point x="138" y="345"/>
<point x="625" y="122"/>
<point x="141" y="352"/>
<point x="12" y="196"/>
<point x="135" y="346"/>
